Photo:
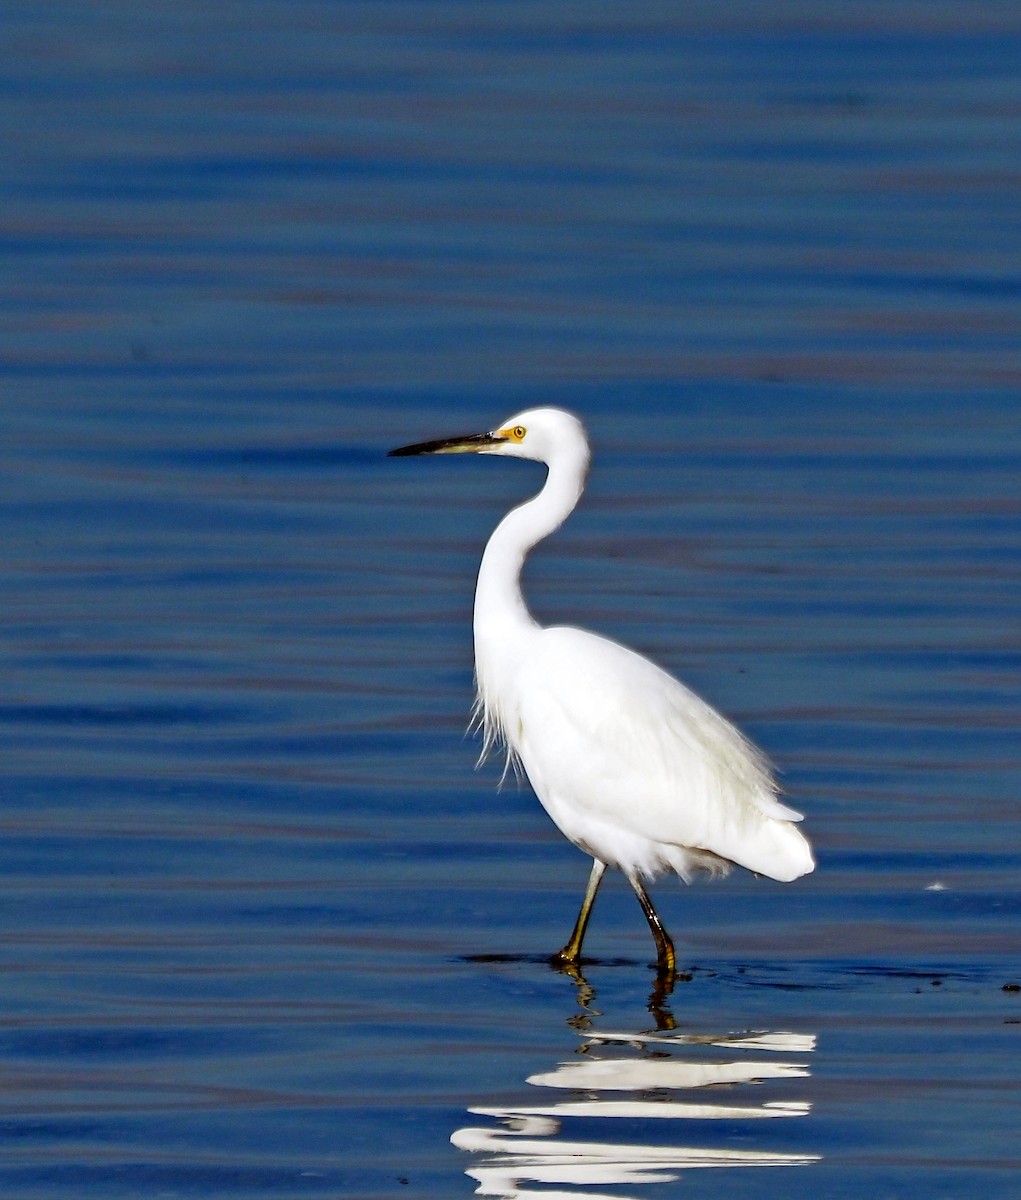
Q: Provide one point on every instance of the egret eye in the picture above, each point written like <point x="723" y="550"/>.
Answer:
<point x="519" y="433"/>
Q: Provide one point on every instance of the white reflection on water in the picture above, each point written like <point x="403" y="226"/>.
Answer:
<point x="527" y="1149"/>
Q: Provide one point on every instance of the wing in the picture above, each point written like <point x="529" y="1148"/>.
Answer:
<point x="605" y="730"/>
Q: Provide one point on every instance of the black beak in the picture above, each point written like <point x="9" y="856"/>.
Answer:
<point x="470" y="443"/>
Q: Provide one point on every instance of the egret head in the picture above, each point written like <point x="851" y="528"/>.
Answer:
<point x="542" y="434"/>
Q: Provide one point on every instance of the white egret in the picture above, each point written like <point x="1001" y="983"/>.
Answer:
<point x="633" y="768"/>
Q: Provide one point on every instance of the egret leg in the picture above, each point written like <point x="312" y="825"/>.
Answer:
<point x="665" y="955"/>
<point x="572" y="951"/>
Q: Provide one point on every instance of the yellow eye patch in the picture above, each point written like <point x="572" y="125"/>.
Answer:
<point x="514" y="434"/>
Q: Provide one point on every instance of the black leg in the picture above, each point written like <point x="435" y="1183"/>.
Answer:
<point x="572" y="951"/>
<point x="665" y="956"/>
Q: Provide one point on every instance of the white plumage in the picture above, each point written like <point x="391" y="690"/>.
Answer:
<point x="632" y="766"/>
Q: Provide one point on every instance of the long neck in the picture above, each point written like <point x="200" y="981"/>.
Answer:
<point x="499" y="605"/>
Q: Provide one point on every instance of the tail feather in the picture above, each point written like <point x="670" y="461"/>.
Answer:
<point x="780" y="850"/>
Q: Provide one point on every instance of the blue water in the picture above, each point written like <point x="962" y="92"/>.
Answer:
<point x="264" y="931"/>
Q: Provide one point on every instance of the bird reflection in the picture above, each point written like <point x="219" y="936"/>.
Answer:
<point x="661" y="991"/>
<point x="635" y="1078"/>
